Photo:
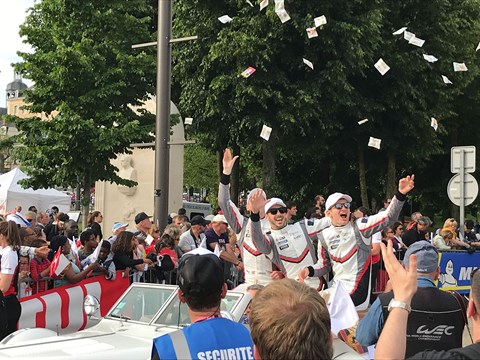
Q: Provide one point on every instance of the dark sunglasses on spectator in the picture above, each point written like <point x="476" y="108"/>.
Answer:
<point x="282" y="210"/>
<point x="340" y="205"/>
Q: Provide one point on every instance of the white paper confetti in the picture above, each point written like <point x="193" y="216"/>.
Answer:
<point x="416" y="41"/>
<point x="434" y="123"/>
<point x="225" y="19"/>
<point x="312" y="32"/>
<point x="374" y="142"/>
<point x="459" y="66"/>
<point x="308" y="63"/>
<point x="407" y="35"/>
<point x="263" y="4"/>
<point x="188" y="121"/>
<point x="248" y="71"/>
<point x="249" y="3"/>
<point x="283" y="15"/>
<point x="279" y="5"/>
<point x="361" y="122"/>
<point x="381" y="66"/>
<point x="400" y="31"/>
<point x="430" y="58"/>
<point x="478" y="47"/>
<point x="266" y="131"/>
<point x="446" y="80"/>
<point x="319" y="21"/>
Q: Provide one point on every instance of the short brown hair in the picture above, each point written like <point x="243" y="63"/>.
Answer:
<point x="290" y="320"/>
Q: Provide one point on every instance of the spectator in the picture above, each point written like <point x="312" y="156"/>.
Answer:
<point x="56" y="227"/>
<point x="143" y="224"/>
<point x="166" y="246"/>
<point x="24" y="280"/>
<point x="182" y="211"/>
<point x="443" y="240"/>
<point x="94" y="222"/>
<point x="192" y="239"/>
<point x="39" y="269"/>
<point x="27" y="235"/>
<point x="31" y="217"/>
<point x="202" y="287"/>
<point x="42" y="220"/>
<point x="154" y="233"/>
<point x="117" y="228"/>
<point x="32" y="208"/>
<point x="404" y="282"/>
<point x="291" y="211"/>
<point x="89" y="244"/>
<point x="105" y="260"/>
<point x="417" y="231"/>
<point x="431" y="308"/>
<point x="350" y="261"/>
<point x="123" y="249"/>
<point x="252" y="290"/>
<point x="451" y="225"/>
<point x="398" y="229"/>
<point x="11" y="309"/>
<point x="469" y="234"/>
<point x="319" y="204"/>
<point x="290" y="321"/>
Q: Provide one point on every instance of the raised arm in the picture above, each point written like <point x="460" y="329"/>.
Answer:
<point x="229" y="209"/>
<point x="256" y="201"/>
<point x="404" y="283"/>
<point x="322" y="266"/>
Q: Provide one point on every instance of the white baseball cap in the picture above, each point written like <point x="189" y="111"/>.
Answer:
<point x="333" y="199"/>
<point x="272" y="202"/>
<point x="219" y="218"/>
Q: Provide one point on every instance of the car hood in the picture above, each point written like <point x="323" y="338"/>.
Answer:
<point x="128" y="342"/>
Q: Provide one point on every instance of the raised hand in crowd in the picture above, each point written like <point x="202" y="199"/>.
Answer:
<point x="406" y="184"/>
<point x="256" y="202"/>
<point x="228" y="161"/>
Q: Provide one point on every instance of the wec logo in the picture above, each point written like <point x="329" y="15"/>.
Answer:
<point x="437" y="330"/>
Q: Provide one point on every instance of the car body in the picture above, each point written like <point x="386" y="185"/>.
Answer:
<point x="142" y="313"/>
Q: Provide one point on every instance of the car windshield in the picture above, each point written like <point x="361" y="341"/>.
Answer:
<point x="141" y="303"/>
<point x="176" y="314"/>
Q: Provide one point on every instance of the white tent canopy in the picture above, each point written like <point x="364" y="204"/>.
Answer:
<point x="12" y="194"/>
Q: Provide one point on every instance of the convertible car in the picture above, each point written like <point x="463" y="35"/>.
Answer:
<point x="142" y="313"/>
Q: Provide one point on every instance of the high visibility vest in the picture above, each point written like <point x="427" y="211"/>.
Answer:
<point x="212" y="339"/>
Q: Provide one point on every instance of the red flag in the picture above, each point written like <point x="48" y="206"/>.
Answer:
<point x="54" y="264"/>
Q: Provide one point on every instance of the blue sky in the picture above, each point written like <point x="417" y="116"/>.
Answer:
<point x="12" y="14"/>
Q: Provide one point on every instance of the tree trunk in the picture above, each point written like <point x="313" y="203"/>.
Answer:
<point x="362" y="177"/>
<point x="391" y="185"/>
<point x="269" y="163"/>
<point x="235" y="178"/>
<point x="220" y="163"/>
<point x="78" y="190"/>
<point x="87" y="180"/>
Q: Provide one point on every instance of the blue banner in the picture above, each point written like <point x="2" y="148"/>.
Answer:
<point x="455" y="270"/>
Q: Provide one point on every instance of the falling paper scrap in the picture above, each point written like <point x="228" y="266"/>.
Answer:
<point x="225" y="19"/>
<point x="319" y="21"/>
<point x="407" y="35"/>
<point x="434" y="123"/>
<point x="400" y="31"/>
<point x="374" y="142"/>
<point x="266" y="131"/>
<point x="361" y="122"/>
<point x="446" y="80"/>
<point x="248" y="71"/>
<point x="430" y="58"/>
<point x="416" y="41"/>
<point x="459" y="66"/>
<point x="478" y="47"/>
<point x="283" y="15"/>
<point x="188" y="121"/>
<point x="263" y="4"/>
<point x="312" y="32"/>
<point x="382" y="67"/>
<point x="308" y="63"/>
<point x="249" y="3"/>
<point x="279" y="5"/>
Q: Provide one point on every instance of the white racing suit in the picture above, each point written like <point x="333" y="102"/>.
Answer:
<point x="257" y="266"/>
<point x="346" y="250"/>
<point x="291" y="247"/>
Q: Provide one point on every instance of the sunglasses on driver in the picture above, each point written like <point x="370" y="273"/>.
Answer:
<point x="282" y="210"/>
<point x="340" y="205"/>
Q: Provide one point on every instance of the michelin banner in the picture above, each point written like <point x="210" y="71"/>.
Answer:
<point x="455" y="270"/>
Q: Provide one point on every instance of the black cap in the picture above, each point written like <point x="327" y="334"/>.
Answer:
<point x="140" y="217"/>
<point x="198" y="220"/>
<point x="200" y="275"/>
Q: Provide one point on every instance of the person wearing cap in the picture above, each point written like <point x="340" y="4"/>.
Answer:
<point x="344" y="247"/>
<point x="289" y="245"/>
<point x="257" y="266"/>
<point x="143" y="224"/>
<point x="117" y="228"/>
<point x="468" y="232"/>
<point x="192" y="239"/>
<point x="218" y="235"/>
<point x="56" y="227"/>
<point x="417" y="231"/>
<point x="431" y="308"/>
<point x="202" y="288"/>
<point x="405" y="286"/>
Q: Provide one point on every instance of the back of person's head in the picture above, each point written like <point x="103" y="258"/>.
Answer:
<point x="182" y="211"/>
<point x="290" y="320"/>
<point x="85" y="236"/>
<point x="38" y="243"/>
<point x="475" y="283"/>
<point x="123" y="242"/>
<point x="166" y="241"/>
<point x="290" y="204"/>
<point x="105" y="244"/>
<point x="200" y="278"/>
<point x="310" y="212"/>
<point x="172" y="230"/>
<point x="10" y="230"/>
<point x="427" y="257"/>
<point x="63" y="217"/>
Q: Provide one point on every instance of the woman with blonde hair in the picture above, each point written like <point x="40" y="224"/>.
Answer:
<point x="451" y="225"/>
<point x="10" y="308"/>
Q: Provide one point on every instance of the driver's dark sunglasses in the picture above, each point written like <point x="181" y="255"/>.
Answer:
<point x="340" y="205"/>
<point x="282" y="210"/>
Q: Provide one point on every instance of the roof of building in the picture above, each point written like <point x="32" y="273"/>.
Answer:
<point x="16" y="84"/>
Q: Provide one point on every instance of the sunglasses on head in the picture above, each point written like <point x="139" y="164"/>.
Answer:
<point x="340" y="205"/>
<point x="282" y="210"/>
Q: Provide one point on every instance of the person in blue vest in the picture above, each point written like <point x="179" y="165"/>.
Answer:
<point x="202" y="288"/>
